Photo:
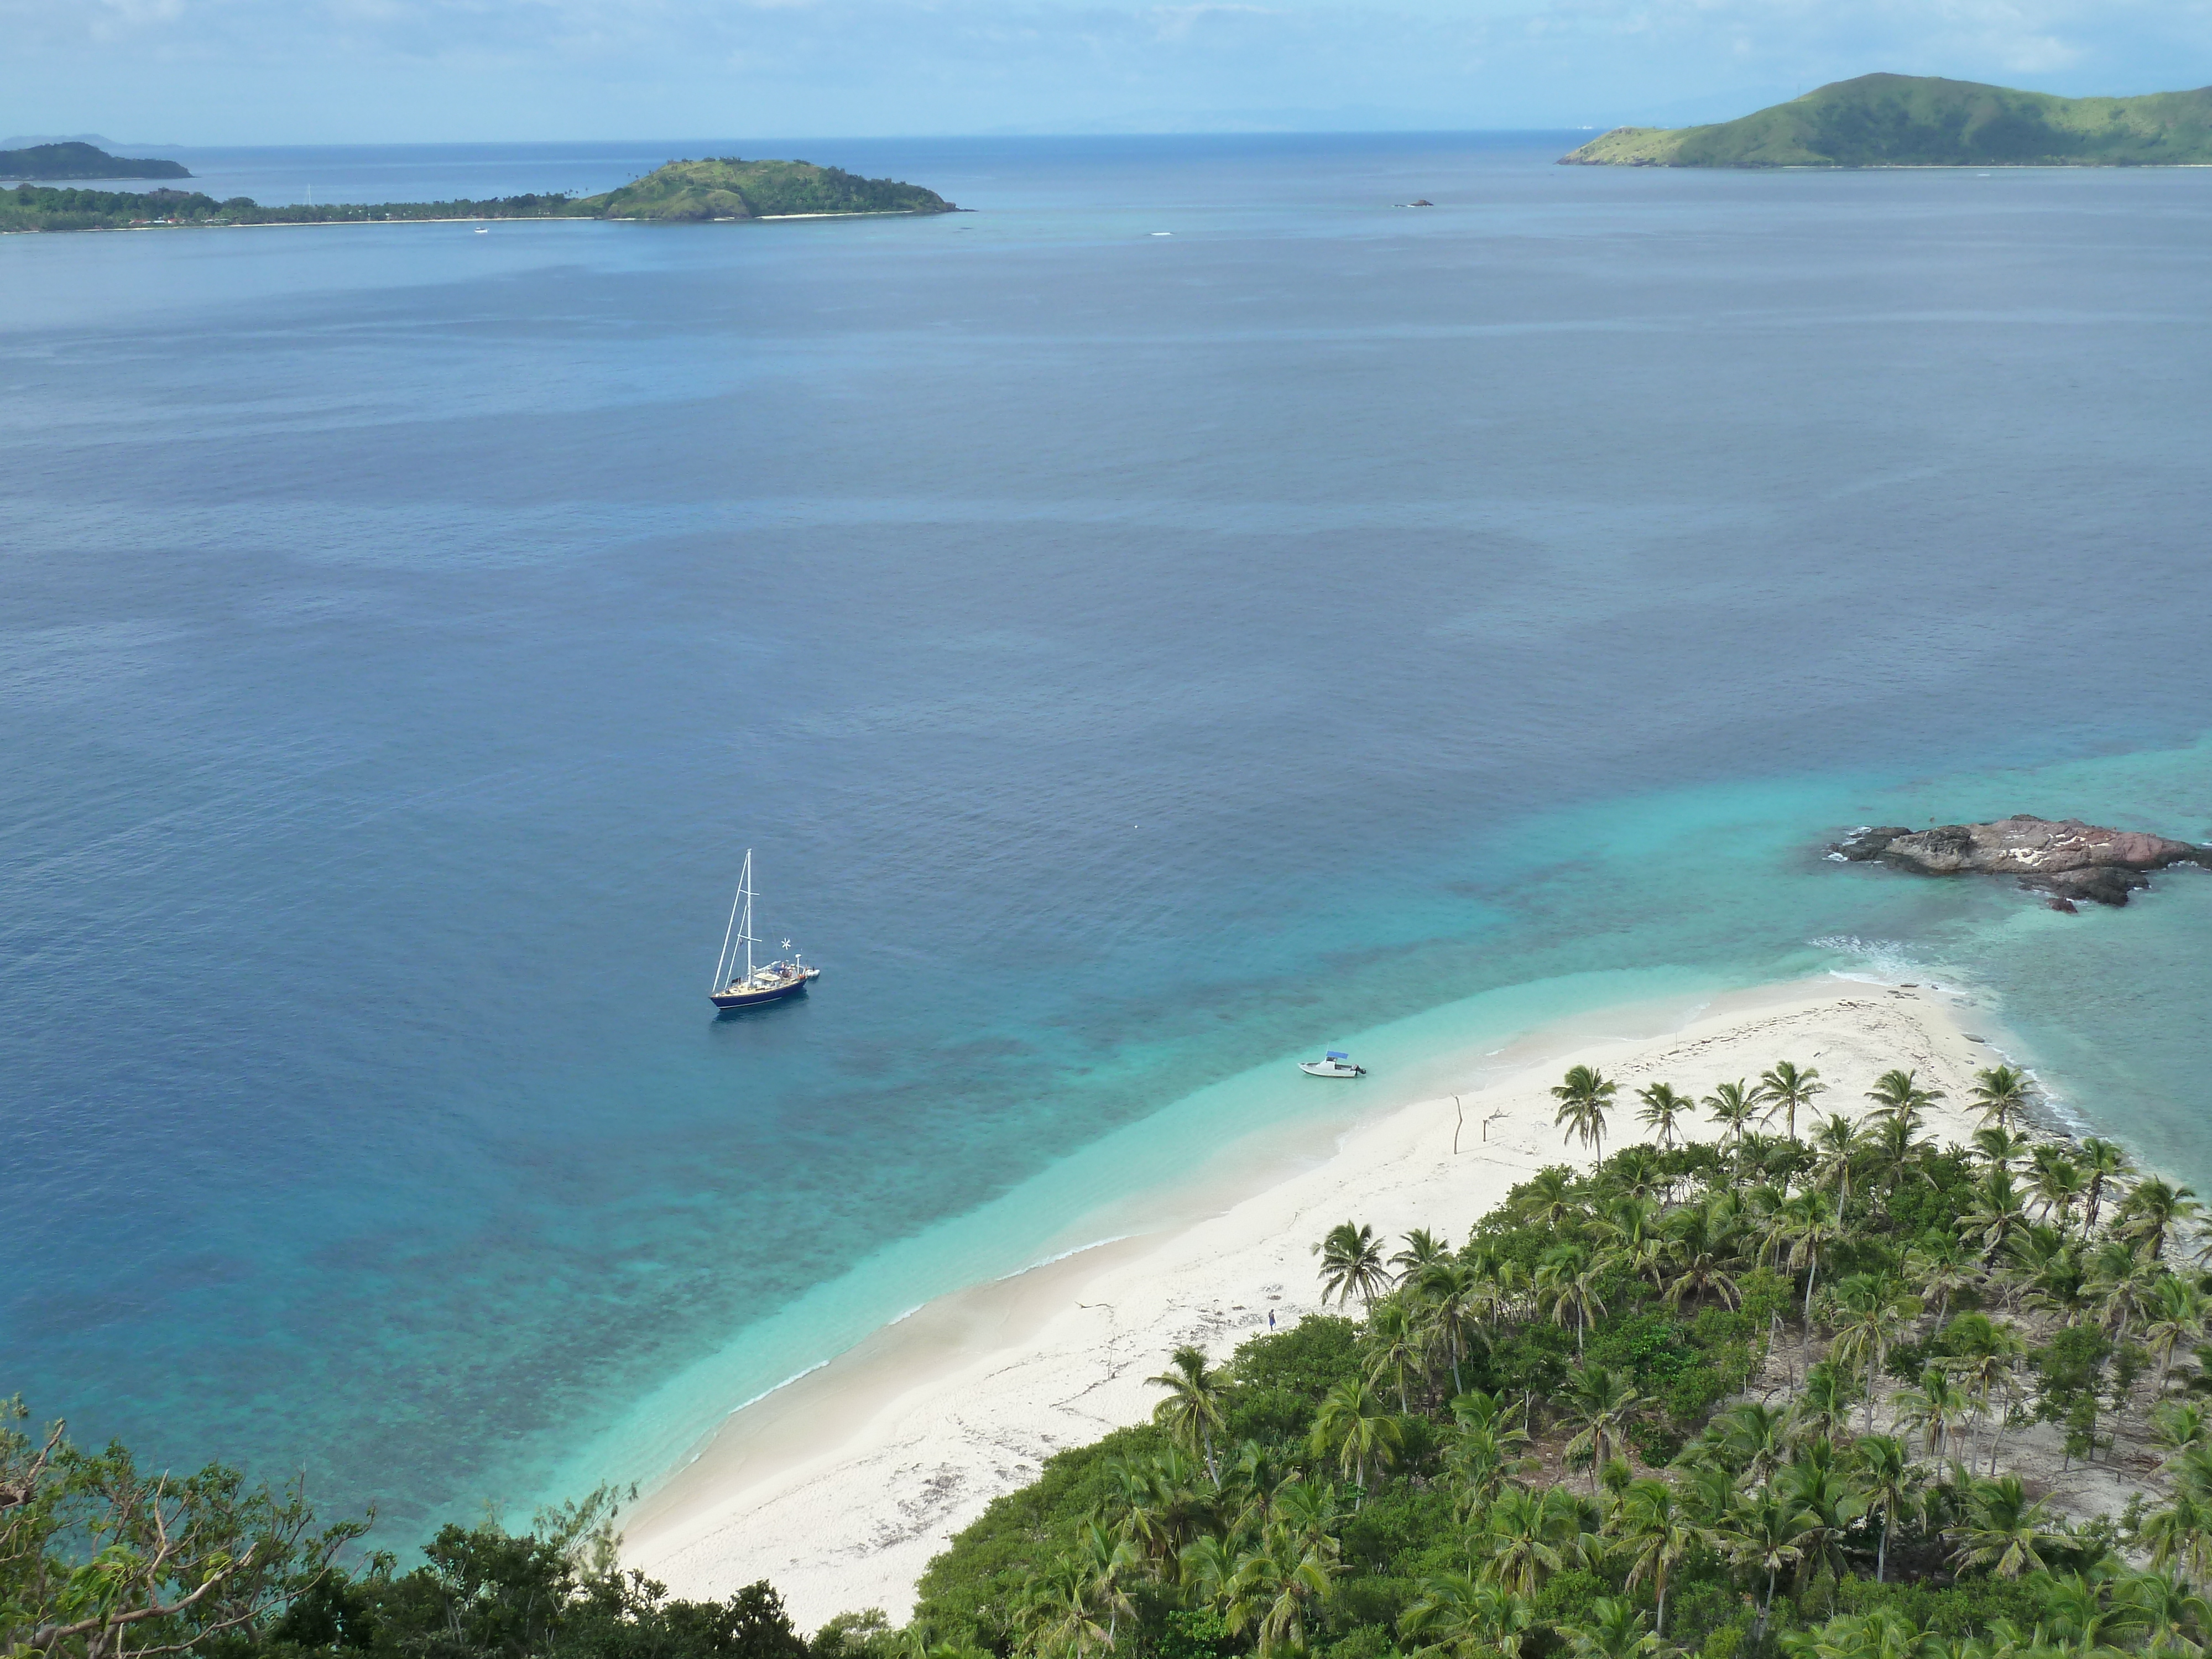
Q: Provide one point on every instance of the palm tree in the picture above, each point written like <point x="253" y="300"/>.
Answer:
<point x="1638" y="1172"/>
<point x="1519" y="1536"/>
<point x="1423" y="1249"/>
<point x="1656" y="1534"/>
<point x="1938" y="1408"/>
<point x="2121" y="1283"/>
<point x="1941" y="1270"/>
<point x="1996" y="1210"/>
<point x="1808" y="1222"/>
<point x="1823" y="1405"/>
<point x="2001" y="1093"/>
<point x="2180" y="1537"/>
<point x="1204" y="1568"/>
<point x="2179" y="1311"/>
<point x="1999" y="1147"/>
<point x="2102" y="1161"/>
<point x="1731" y="1105"/>
<point x="1664" y="1109"/>
<point x="1614" y="1630"/>
<point x="1308" y="1511"/>
<point x="2173" y="1617"/>
<point x="1630" y="1228"/>
<point x="1891" y="1150"/>
<point x="1699" y="1249"/>
<point x="1456" y="1614"/>
<point x="1888" y="1480"/>
<point x="1787" y="1089"/>
<point x="1547" y="1198"/>
<point x="1352" y="1264"/>
<point x="1193" y="1409"/>
<point x="2057" y="1182"/>
<point x="1485" y="1451"/>
<point x="1394" y="1345"/>
<point x="1567" y="1283"/>
<point x="1986" y="1373"/>
<point x="1603" y="1405"/>
<point x="1275" y="1589"/>
<point x="1061" y="1607"/>
<point x="1765" y="1533"/>
<point x="1870" y="1318"/>
<point x="1755" y="1435"/>
<point x="1826" y="1502"/>
<point x="1351" y="1425"/>
<point x="1898" y="1094"/>
<point x="2177" y="1426"/>
<point x="1584" y="1095"/>
<point x="2003" y="1531"/>
<point x="1453" y="1294"/>
<point x="1836" y="1148"/>
<point x="2154" y="1209"/>
<point x="1111" y="1565"/>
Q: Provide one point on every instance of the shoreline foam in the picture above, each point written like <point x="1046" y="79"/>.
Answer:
<point x="840" y="1485"/>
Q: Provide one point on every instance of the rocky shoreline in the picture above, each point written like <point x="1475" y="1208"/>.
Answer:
<point x="2065" y="857"/>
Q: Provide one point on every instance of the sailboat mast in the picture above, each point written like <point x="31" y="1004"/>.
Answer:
<point x="745" y="886"/>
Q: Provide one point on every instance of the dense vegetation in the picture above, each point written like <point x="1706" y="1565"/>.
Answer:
<point x="1741" y="1398"/>
<point x="678" y="191"/>
<point x="1542" y="1441"/>
<point x="72" y="160"/>
<point x="1909" y="120"/>
<point x="98" y="1559"/>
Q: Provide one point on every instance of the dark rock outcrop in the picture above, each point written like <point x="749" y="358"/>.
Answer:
<point x="2067" y="859"/>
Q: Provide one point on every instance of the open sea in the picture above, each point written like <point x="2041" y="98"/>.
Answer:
<point x="1189" y="610"/>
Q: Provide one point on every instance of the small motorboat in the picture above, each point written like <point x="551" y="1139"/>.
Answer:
<point x="1334" y="1063"/>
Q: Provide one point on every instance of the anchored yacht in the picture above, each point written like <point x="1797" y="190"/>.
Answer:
<point x="773" y="983"/>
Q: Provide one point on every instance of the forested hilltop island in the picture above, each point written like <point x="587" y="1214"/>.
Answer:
<point x="72" y="160"/>
<point x="1780" y="1382"/>
<point x="725" y="188"/>
<point x="1918" y="120"/>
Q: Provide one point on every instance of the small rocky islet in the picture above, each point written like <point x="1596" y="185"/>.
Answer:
<point x="2064" y="858"/>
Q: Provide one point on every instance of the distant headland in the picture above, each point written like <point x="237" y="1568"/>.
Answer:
<point x="70" y="159"/>
<point x="1922" y="121"/>
<point x="724" y="188"/>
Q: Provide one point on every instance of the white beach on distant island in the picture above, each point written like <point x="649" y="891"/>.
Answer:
<point x="841" y="1487"/>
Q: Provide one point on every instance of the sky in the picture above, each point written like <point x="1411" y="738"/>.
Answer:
<point x="341" y="71"/>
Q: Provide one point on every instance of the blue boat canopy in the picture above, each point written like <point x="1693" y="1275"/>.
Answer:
<point x="1338" y="1054"/>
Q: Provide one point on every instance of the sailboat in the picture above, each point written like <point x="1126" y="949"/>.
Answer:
<point x="755" y="986"/>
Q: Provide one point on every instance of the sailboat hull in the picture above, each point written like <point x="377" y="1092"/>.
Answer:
<point x="755" y="997"/>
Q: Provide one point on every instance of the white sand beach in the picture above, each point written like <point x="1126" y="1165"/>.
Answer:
<point x="839" y="1487"/>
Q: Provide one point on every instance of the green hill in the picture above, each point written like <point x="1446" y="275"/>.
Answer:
<point x="727" y="188"/>
<point x="1912" y="120"/>
<point x="75" y="160"/>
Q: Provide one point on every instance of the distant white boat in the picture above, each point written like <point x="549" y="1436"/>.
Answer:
<point x="1334" y="1063"/>
<point x="483" y="230"/>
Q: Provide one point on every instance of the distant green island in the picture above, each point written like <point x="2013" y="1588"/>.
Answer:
<point x="75" y="160"/>
<point x="725" y="188"/>
<point x="1921" y="121"/>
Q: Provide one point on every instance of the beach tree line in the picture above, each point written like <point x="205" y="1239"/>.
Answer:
<point x="1740" y="1395"/>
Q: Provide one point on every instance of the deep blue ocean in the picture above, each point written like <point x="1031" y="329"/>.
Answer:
<point x="1189" y="609"/>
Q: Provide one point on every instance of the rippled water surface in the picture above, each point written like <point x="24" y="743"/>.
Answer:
<point x="1134" y="657"/>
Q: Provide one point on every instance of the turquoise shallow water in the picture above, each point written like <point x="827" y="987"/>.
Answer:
<point x="1136" y="658"/>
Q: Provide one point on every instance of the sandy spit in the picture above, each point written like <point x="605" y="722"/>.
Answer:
<point x="839" y="1487"/>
